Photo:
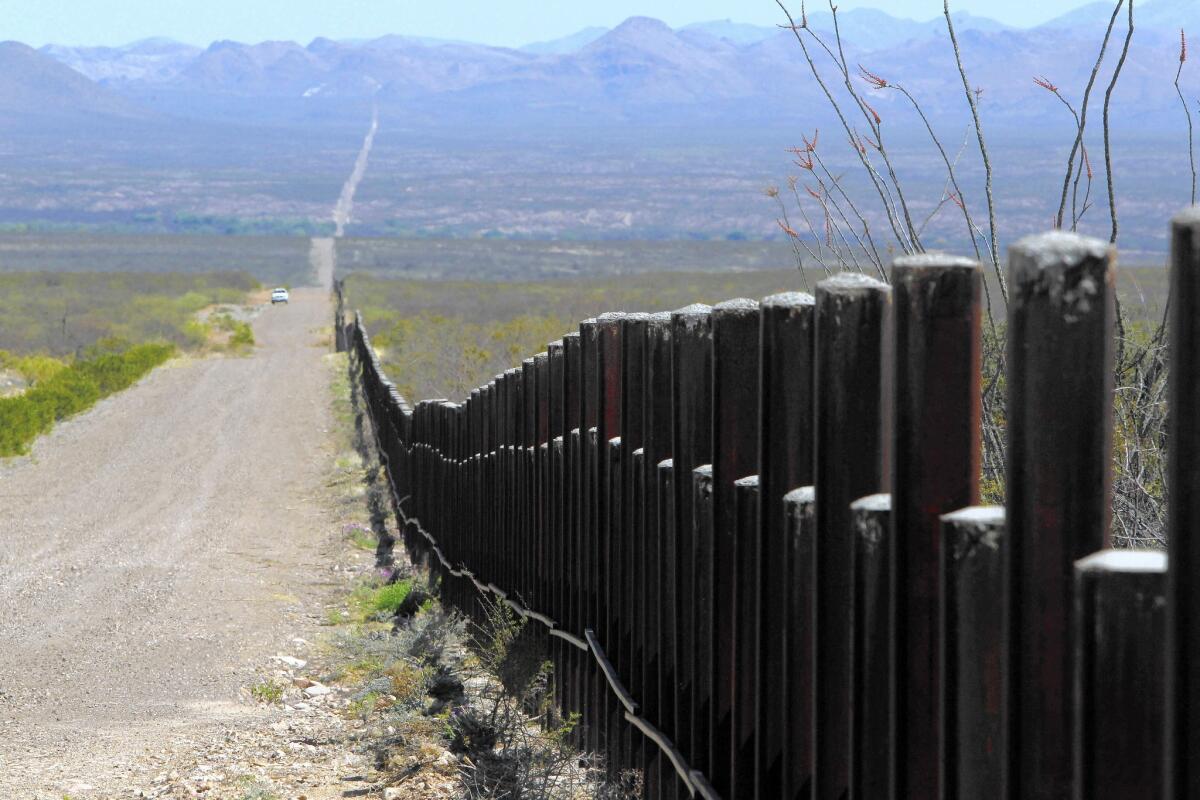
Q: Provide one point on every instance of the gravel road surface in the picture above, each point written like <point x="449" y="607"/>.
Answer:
<point x="157" y="549"/>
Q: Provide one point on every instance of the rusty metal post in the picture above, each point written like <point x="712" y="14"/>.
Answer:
<point x="1183" y="478"/>
<point x="1120" y="669"/>
<point x="696" y="644"/>
<point x="800" y="656"/>
<point x="572" y="514"/>
<point x="937" y="451"/>
<point x="851" y="458"/>
<point x="635" y="580"/>
<point x="973" y="637"/>
<point x="871" y="649"/>
<point x="735" y="336"/>
<point x="744" y="602"/>
<point x="691" y="400"/>
<point x="630" y="538"/>
<point x="610" y="590"/>
<point x="668" y="784"/>
<point x="659" y="601"/>
<point x="785" y="463"/>
<point x="1060" y="387"/>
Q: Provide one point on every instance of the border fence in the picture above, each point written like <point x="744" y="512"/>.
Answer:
<point x="750" y="537"/>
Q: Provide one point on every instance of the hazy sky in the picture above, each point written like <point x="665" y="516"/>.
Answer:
<point x="501" y="22"/>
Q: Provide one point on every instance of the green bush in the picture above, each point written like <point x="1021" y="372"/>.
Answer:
<point x="73" y="389"/>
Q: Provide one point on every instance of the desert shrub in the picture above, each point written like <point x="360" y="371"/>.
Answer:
<point x="73" y="389"/>
<point x="63" y="314"/>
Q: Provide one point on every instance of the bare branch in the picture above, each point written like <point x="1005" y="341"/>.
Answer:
<point x="983" y="151"/>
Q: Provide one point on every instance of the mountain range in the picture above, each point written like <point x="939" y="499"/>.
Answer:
<point x="642" y="71"/>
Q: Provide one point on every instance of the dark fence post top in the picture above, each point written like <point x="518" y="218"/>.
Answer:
<point x="740" y="306"/>
<point x="1124" y="561"/>
<point x="934" y="261"/>
<point x="801" y="496"/>
<point x="695" y="314"/>
<point x="788" y="300"/>
<point x="1053" y="264"/>
<point x="851" y="283"/>
<point x="976" y="515"/>
<point x="872" y="503"/>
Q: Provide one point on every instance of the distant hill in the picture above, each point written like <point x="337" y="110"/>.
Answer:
<point x="154" y="60"/>
<point x="34" y="87"/>
<point x="642" y="70"/>
<point x="566" y="44"/>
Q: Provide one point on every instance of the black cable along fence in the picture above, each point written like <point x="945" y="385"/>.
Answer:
<point x="689" y="505"/>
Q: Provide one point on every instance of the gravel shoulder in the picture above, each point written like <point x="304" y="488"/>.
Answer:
<point x="156" y="552"/>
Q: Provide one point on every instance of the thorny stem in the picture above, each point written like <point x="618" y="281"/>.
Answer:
<point x="1083" y="108"/>
<point x="962" y="198"/>
<point x="1112" y="84"/>
<point x="1186" y="112"/>
<point x="983" y="151"/>
<point x="837" y="108"/>
<point x="873" y="251"/>
<point x="876" y="127"/>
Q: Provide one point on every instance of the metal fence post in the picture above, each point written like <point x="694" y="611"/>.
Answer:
<point x="696" y="644"/>
<point x="800" y="657"/>
<point x="745" y="613"/>
<point x="735" y="434"/>
<point x="669" y="783"/>
<point x="657" y="704"/>
<point x="1060" y="386"/>
<point x="871" y="744"/>
<point x="852" y="312"/>
<point x="691" y="401"/>
<point x="785" y="463"/>
<point x="937" y="462"/>
<point x="973" y="636"/>
<point x="1120" y="625"/>
<point x="1183" y="478"/>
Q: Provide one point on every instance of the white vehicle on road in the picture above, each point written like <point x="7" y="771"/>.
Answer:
<point x="280" y="295"/>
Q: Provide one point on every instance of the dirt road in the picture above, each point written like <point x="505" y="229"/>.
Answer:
<point x="157" y="549"/>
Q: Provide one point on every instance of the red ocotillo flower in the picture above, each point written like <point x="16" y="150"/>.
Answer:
<point x="874" y="113"/>
<point x="787" y="229"/>
<point x="1182" y="46"/>
<point x="872" y="78"/>
<point x="803" y="160"/>
<point x="1046" y="84"/>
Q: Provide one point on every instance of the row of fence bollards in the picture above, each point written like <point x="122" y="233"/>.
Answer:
<point x="749" y="537"/>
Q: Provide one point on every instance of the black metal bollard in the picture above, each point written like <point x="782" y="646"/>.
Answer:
<point x="800" y="640"/>
<point x="871" y="650"/>
<point x="973" y="650"/>
<point x="1060" y="384"/>
<point x="691" y="400"/>
<point x="1120" y="625"/>
<point x="670" y="785"/>
<point x="1183" y="476"/>
<point x="656" y="705"/>
<point x="785" y="462"/>
<point x="852" y="315"/>
<point x="937" y="444"/>
<point x="696" y="644"/>
<point x="745" y="616"/>
<point x="735" y="337"/>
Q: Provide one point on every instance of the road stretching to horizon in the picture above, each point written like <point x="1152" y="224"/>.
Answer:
<point x="160" y="548"/>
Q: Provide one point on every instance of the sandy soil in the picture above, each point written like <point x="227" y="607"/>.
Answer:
<point x="157" y="551"/>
